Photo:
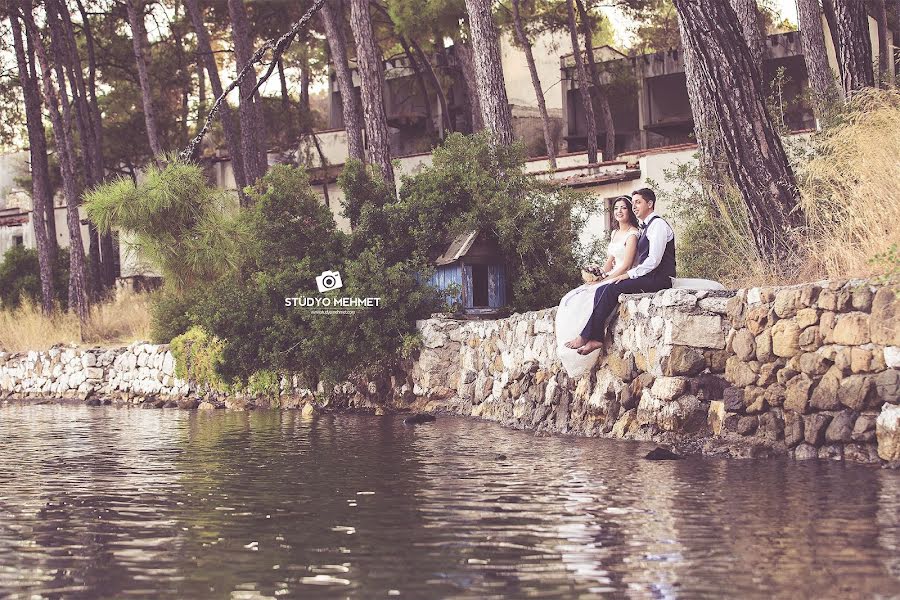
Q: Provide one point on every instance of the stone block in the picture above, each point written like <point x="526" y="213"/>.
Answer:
<point x="885" y="321"/>
<point x="831" y="452"/>
<point x="715" y="305"/>
<point x="716" y="359"/>
<point x="754" y="400"/>
<point x="740" y="373"/>
<point x="764" y="346"/>
<point x="805" y="452"/>
<point x="813" y="363"/>
<point x="88" y="360"/>
<point x="887" y="386"/>
<point x="669" y="388"/>
<point x="861" y="298"/>
<point x="797" y="392"/>
<point x="715" y="417"/>
<point x="775" y="394"/>
<point x="810" y="338"/>
<point x="841" y="427"/>
<point x="858" y="392"/>
<point x="698" y="331"/>
<point x="757" y="319"/>
<point x="827" y="322"/>
<point x="708" y="387"/>
<point x="806" y="317"/>
<point x="892" y="357"/>
<point x="683" y="360"/>
<point x="744" y="344"/>
<point x="747" y="425"/>
<point x="95" y="373"/>
<point x="887" y="432"/>
<point x="622" y="366"/>
<point x="814" y="427"/>
<point x="771" y="426"/>
<point x="860" y="360"/>
<point x="733" y="399"/>
<point x="786" y="303"/>
<point x="851" y="329"/>
<point x="785" y="339"/>
<point x="864" y="428"/>
<point x="861" y="453"/>
<point x="735" y="308"/>
<point x="639" y="383"/>
<point x="793" y="429"/>
<point x="768" y="374"/>
<point x="825" y="394"/>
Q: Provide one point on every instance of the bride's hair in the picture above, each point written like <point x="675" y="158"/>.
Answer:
<point x="632" y="219"/>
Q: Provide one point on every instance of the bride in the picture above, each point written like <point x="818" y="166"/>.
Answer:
<point x="575" y="308"/>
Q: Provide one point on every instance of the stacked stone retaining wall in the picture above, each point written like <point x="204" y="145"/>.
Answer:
<point x="811" y="371"/>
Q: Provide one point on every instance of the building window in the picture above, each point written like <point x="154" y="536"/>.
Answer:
<point x="18" y="240"/>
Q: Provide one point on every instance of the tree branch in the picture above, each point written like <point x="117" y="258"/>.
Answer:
<point x="278" y="47"/>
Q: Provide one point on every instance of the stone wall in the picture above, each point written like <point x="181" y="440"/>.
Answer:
<point x="811" y="371"/>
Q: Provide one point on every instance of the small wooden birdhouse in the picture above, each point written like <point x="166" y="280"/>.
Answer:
<point x="473" y="262"/>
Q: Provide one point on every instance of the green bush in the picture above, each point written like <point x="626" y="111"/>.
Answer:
<point x="20" y="277"/>
<point x="237" y="329"/>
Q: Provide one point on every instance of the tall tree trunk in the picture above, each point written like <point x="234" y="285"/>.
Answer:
<point x="467" y="66"/>
<point x="334" y="32"/>
<point x="854" y="50"/>
<point x="61" y="25"/>
<point x="201" y="93"/>
<point x="597" y="93"/>
<point x="583" y="87"/>
<point x="282" y="82"/>
<point x="752" y="30"/>
<point x="232" y="139"/>
<point x="489" y="72"/>
<point x="812" y="36"/>
<point x="78" y="297"/>
<point x="423" y="89"/>
<point x="107" y="260"/>
<point x="40" y="186"/>
<point x="884" y="53"/>
<point x="371" y="78"/>
<point x="140" y="43"/>
<point x="525" y="44"/>
<point x="756" y="159"/>
<point x="304" y="78"/>
<point x="252" y="126"/>
<point x="44" y="171"/>
<point x="713" y="164"/>
<point x="438" y="89"/>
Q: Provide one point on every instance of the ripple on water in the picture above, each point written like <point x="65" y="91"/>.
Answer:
<point x="102" y="502"/>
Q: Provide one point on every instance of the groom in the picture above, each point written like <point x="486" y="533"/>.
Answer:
<point x="655" y="267"/>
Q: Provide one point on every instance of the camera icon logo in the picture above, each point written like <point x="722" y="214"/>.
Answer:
<point x="329" y="280"/>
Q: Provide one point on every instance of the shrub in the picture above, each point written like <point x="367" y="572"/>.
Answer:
<point x="199" y="356"/>
<point x="20" y="277"/>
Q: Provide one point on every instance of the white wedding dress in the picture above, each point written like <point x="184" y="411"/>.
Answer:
<point x="576" y="307"/>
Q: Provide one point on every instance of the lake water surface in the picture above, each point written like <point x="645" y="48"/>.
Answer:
<point x="118" y="503"/>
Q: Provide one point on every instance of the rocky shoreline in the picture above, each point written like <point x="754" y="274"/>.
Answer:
<point x="810" y="371"/>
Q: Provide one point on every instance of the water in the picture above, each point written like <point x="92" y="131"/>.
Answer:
<point x="118" y="503"/>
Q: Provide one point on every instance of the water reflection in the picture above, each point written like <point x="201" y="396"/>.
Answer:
<point x="212" y="504"/>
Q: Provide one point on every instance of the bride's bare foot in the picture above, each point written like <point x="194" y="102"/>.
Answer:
<point x="590" y="347"/>
<point x="576" y="343"/>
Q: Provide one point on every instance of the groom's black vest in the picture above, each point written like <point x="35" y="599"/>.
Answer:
<point x="666" y="266"/>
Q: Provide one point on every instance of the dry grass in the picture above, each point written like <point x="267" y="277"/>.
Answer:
<point x="851" y="191"/>
<point x="849" y="177"/>
<point x="121" y="321"/>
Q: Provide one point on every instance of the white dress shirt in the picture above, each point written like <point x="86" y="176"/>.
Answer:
<point x="658" y="234"/>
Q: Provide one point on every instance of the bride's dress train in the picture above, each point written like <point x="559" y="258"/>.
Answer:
<point x="576" y="307"/>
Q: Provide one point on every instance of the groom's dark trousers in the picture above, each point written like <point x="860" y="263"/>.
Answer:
<point x="606" y="299"/>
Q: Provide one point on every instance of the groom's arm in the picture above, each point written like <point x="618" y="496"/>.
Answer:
<point x="657" y="234"/>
